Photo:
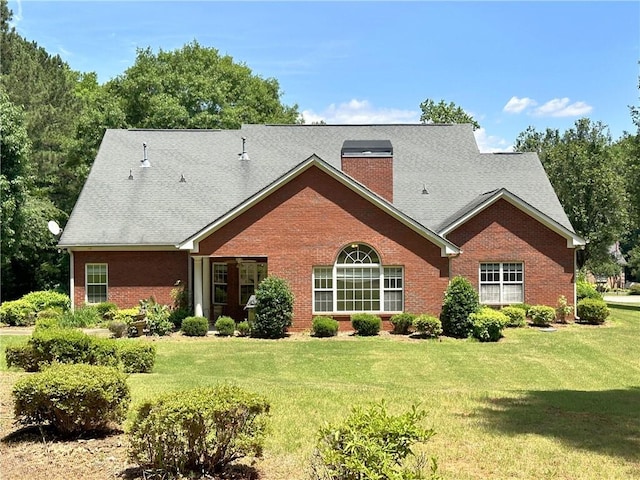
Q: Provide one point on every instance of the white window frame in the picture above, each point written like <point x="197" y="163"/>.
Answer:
<point x="88" y="284"/>
<point x="215" y="284"/>
<point x="322" y="284"/>
<point x="516" y="277"/>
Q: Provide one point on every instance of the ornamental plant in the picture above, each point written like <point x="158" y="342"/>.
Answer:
<point x="366" y="324"/>
<point x="517" y="317"/>
<point x="460" y="301"/>
<point x="592" y="310"/>
<point x="195" y="326"/>
<point x="402" y="323"/>
<point x="488" y="324"/>
<point x="226" y="326"/>
<point x="324" y="327"/>
<point x="274" y="308"/>
<point x="428" y="325"/>
<point x="542" y="315"/>
<point x="563" y="310"/>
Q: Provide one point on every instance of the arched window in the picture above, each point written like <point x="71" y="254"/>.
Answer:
<point x="358" y="282"/>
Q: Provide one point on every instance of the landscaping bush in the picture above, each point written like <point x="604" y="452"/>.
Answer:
<point x="157" y="317"/>
<point x="366" y="324"/>
<point x="324" y="327"/>
<point x="402" y="323"/>
<point x="136" y="356"/>
<point x="177" y="315"/>
<point x="585" y="289"/>
<point x="118" y="328"/>
<point x="106" y="310"/>
<point x="43" y="323"/>
<point x="542" y="315"/>
<point x="81" y="317"/>
<point x="591" y="310"/>
<point x="22" y="356"/>
<point x="516" y="316"/>
<point x="62" y="345"/>
<point x="370" y="444"/>
<point x="226" y="326"/>
<point x="72" y="398"/>
<point x="195" y="326"/>
<point x="17" y="313"/>
<point x="274" y="308"/>
<point x="428" y="325"/>
<point x="244" y="329"/>
<point x="488" y="324"/>
<point x="45" y="299"/>
<point x="202" y="430"/>
<point x="460" y="301"/>
<point x="127" y="315"/>
<point x="634" y="289"/>
<point x="564" y="311"/>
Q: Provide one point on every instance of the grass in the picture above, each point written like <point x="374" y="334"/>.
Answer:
<point x="553" y="405"/>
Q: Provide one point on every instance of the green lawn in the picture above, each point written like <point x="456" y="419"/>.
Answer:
<point x="563" y="404"/>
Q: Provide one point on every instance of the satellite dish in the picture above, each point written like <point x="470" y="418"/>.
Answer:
<point x="54" y="228"/>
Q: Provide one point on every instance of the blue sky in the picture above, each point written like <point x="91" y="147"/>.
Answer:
<point x="509" y="64"/>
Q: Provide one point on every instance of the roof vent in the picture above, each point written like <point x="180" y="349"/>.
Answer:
<point x="244" y="155"/>
<point x="145" y="161"/>
<point x="130" y="174"/>
<point x="424" y="189"/>
<point x="182" y="179"/>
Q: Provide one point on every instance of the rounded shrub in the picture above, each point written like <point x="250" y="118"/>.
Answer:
<point x="202" y="430"/>
<point x="402" y="323"/>
<point x="226" y="326"/>
<point x="542" y="315"/>
<point x="274" y="308"/>
<point x="488" y="324"/>
<point x="366" y="324"/>
<point x="17" y="313"/>
<point x="45" y="299"/>
<point x="177" y="315"/>
<point x="135" y="356"/>
<point x="106" y="310"/>
<point x="428" y="325"/>
<point x="195" y="326"/>
<point x="72" y="398"/>
<point x="244" y="329"/>
<point x="585" y="289"/>
<point x="324" y="327"/>
<point x="516" y="317"/>
<point x="591" y="310"/>
<point x="22" y="356"/>
<point x="460" y="301"/>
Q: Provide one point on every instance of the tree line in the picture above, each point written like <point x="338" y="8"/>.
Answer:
<point x="53" y="119"/>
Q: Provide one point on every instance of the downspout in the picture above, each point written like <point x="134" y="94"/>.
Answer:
<point x="72" y="283"/>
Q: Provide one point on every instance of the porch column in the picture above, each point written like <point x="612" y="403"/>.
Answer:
<point x="197" y="286"/>
<point x="206" y="287"/>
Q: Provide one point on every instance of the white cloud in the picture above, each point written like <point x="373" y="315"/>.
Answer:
<point x="560" y="107"/>
<point x="360" y="112"/>
<point x="490" y="143"/>
<point x="517" y="105"/>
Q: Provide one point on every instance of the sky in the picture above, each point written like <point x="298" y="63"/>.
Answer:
<point x="509" y="64"/>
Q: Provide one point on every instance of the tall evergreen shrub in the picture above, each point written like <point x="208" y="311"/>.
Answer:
<point x="274" y="308"/>
<point x="460" y="301"/>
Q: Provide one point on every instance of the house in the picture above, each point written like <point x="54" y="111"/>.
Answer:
<point x="357" y="218"/>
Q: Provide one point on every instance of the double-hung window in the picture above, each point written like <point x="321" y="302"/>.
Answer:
<point x="96" y="282"/>
<point x="357" y="282"/>
<point x="220" y="285"/>
<point x="501" y="283"/>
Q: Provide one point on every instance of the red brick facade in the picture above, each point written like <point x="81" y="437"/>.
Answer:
<point x="504" y="233"/>
<point x="308" y="221"/>
<point x="374" y="172"/>
<point x="133" y="276"/>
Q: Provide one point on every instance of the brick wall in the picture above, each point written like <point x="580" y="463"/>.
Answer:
<point x="308" y="221"/>
<point x="503" y="233"/>
<point x="133" y="276"/>
<point x="376" y="173"/>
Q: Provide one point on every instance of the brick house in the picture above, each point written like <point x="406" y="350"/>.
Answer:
<point x="371" y="218"/>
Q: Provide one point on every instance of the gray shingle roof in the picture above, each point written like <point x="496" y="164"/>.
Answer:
<point x="155" y="208"/>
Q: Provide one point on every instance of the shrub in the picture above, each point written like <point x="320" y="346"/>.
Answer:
<point x="516" y="316"/>
<point x="177" y="315"/>
<point x="45" y="299"/>
<point x="428" y="325"/>
<point x="136" y="356"/>
<point x="563" y="309"/>
<point x="117" y="328"/>
<point x="366" y="324"/>
<point x="542" y="315"/>
<point x="17" y="313"/>
<point x="127" y="315"/>
<point x="226" y="326"/>
<point x="195" y="326"/>
<point x="488" y="324"/>
<point x="62" y="345"/>
<point x="369" y="444"/>
<point x="43" y="323"/>
<point x="202" y="430"/>
<point x="72" y="398"/>
<point x="324" y="327"/>
<point x="22" y="356"/>
<point x="592" y="310"/>
<point x="521" y="306"/>
<point x="585" y="289"/>
<point x="402" y="323"/>
<point x="460" y="301"/>
<point x="157" y="317"/>
<point x="274" y="308"/>
<point x="634" y="289"/>
<point x="106" y="310"/>
<point x="81" y="317"/>
<point x="244" y="329"/>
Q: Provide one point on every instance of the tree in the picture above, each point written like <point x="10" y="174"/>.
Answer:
<point x="442" y="113"/>
<point x="196" y="87"/>
<point x="588" y="179"/>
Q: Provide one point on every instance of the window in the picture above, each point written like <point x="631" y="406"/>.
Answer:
<point x="251" y="274"/>
<point x="96" y="282"/>
<point x="501" y="283"/>
<point x="358" y="283"/>
<point x="220" y="283"/>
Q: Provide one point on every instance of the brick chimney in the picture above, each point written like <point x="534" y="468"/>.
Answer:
<point x="370" y="162"/>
